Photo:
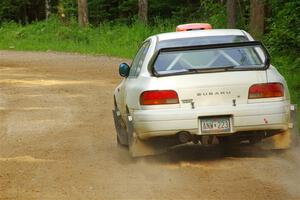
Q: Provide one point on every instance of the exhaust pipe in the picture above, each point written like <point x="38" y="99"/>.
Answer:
<point x="184" y="137"/>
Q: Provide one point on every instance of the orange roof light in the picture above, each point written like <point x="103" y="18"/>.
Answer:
<point x="193" y="26"/>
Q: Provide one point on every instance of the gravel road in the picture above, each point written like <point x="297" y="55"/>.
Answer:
<point x="57" y="141"/>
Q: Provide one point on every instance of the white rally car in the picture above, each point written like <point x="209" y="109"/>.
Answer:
<point x="204" y="86"/>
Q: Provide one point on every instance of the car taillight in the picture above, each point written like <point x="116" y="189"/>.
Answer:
<point x="266" y="90"/>
<point x="159" y="97"/>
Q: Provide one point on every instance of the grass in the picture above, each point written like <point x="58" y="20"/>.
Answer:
<point x="115" y="40"/>
<point x="119" y="40"/>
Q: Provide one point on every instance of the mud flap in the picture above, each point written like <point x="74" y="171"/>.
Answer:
<point x="288" y="138"/>
<point x="121" y="131"/>
<point x="153" y="146"/>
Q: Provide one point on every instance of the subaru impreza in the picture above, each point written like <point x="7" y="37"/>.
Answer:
<point x="203" y="87"/>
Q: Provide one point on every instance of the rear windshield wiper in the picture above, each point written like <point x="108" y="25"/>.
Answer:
<point x="223" y="68"/>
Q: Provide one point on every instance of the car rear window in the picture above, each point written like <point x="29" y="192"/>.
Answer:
<point x="220" y="57"/>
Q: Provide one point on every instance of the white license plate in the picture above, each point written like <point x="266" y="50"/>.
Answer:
<point x="215" y="125"/>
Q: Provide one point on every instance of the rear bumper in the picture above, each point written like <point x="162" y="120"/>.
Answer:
<point x="247" y="117"/>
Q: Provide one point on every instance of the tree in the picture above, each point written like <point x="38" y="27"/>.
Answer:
<point x="257" y="18"/>
<point x="231" y="13"/>
<point x="143" y="11"/>
<point x="83" y="19"/>
<point x="47" y="8"/>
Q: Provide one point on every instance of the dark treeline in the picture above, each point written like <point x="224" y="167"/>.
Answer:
<point x="26" y="11"/>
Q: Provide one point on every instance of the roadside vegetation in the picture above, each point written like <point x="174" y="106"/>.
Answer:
<point x="115" y="29"/>
<point x="119" y="40"/>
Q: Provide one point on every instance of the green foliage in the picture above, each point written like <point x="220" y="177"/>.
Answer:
<point x="115" y="40"/>
<point x="214" y="12"/>
<point x="66" y="7"/>
<point x="124" y="11"/>
<point x="285" y="27"/>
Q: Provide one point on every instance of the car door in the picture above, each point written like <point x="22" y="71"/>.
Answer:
<point x="135" y="69"/>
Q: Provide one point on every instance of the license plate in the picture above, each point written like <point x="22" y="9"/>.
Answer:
<point x="215" y="125"/>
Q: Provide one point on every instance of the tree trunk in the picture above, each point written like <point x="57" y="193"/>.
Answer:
<point x="25" y="14"/>
<point x="231" y="13"/>
<point x="257" y="18"/>
<point x="83" y="19"/>
<point x="47" y="8"/>
<point x="143" y="11"/>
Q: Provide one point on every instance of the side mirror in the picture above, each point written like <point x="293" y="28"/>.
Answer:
<point x="124" y="70"/>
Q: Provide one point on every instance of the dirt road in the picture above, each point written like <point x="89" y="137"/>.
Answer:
<point x="57" y="141"/>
